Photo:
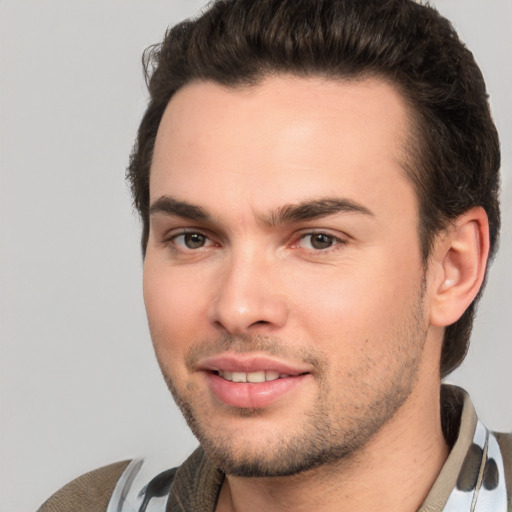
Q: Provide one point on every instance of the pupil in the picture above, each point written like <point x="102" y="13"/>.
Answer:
<point x="194" y="240"/>
<point x="321" y="241"/>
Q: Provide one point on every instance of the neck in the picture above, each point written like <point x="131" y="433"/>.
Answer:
<point x="393" y="471"/>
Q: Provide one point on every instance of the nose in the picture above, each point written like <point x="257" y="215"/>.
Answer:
<point x="249" y="298"/>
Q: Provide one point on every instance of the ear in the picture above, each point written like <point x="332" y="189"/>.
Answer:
<point x="457" y="267"/>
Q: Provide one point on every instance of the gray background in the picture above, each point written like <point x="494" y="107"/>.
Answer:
<point x="79" y="384"/>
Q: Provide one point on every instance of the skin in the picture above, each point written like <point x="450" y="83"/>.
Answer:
<point x="356" y="314"/>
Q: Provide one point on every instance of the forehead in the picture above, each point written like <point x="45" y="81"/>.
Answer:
<point x="287" y="138"/>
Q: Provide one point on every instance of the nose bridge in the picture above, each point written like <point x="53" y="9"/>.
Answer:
<point x="248" y="295"/>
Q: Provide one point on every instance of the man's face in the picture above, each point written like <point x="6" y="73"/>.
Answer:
<point x="283" y="280"/>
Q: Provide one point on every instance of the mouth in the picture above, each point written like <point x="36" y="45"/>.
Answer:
<point x="251" y="367"/>
<point x="253" y="377"/>
<point x="245" y="381"/>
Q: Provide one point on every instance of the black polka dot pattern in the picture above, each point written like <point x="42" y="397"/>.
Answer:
<point x="491" y="475"/>
<point x="468" y="476"/>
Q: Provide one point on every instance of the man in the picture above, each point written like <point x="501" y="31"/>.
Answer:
<point x="317" y="181"/>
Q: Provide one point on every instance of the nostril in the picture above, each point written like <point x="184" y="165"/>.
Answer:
<point x="236" y="315"/>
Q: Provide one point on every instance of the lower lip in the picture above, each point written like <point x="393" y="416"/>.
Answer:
<point x="252" y="395"/>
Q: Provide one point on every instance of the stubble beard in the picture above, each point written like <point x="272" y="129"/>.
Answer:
<point x="334" y="430"/>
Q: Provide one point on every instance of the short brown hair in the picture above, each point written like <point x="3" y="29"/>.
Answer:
<point x="454" y="155"/>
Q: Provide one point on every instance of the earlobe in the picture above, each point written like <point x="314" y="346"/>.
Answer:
<point x="460" y="259"/>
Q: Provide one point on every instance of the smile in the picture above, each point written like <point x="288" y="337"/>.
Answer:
<point x="252" y="377"/>
<point x="252" y="380"/>
<point x="255" y="389"/>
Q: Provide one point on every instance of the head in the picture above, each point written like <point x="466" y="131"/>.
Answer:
<point x="453" y="147"/>
<point x="245" y="58"/>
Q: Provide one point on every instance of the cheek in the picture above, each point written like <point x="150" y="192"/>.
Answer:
<point x="341" y="322"/>
<point x="352" y="311"/>
<point x="176" y="310"/>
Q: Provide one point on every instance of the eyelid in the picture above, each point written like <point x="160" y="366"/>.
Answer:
<point x="170" y="236"/>
<point x="168" y="239"/>
<point x="339" y="240"/>
<point x="207" y="241"/>
<point x="174" y="232"/>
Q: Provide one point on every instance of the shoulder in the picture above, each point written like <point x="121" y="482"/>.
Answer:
<point x="90" y="492"/>
<point x="505" y="444"/>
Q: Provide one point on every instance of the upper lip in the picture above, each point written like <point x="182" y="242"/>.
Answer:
<point x="247" y="363"/>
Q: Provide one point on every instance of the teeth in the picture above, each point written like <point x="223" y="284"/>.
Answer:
<point x="256" y="377"/>
<point x="270" y="375"/>
<point x="253" y="377"/>
<point x="239" y="377"/>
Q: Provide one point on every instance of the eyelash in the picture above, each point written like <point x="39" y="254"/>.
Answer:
<point x="172" y="240"/>
<point x="336" y="242"/>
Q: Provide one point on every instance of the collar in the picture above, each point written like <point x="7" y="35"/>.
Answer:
<point x="472" y="478"/>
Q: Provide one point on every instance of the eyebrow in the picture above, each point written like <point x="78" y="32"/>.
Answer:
<point x="314" y="209"/>
<point x="290" y="213"/>
<point x="170" y="206"/>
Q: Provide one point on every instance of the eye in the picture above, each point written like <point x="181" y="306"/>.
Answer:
<point x="192" y="240"/>
<point x="318" y="241"/>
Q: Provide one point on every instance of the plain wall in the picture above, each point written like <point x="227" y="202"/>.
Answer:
<point x="79" y="383"/>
